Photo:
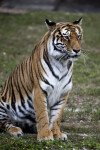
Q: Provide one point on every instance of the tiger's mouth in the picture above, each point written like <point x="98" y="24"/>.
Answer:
<point x="75" y="56"/>
<point x="71" y="57"/>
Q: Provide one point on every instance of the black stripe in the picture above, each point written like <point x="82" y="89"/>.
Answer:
<point x="29" y="60"/>
<point x="41" y="64"/>
<point x="55" y="108"/>
<point x="26" y="91"/>
<point x="22" y="71"/>
<point x="26" y="66"/>
<point x="30" y="69"/>
<point x="55" y="48"/>
<point x="60" y="44"/>
<point x="64" y="26"/>
<point x="29" y="89"/>
<point x="8" y="107"/>
<point x="59" y="50"/>
<point x="2" y="103"/>
<point x="31" y="76"/>
<point x="68" y="82"/>
<point x="4" y="98"/>
<point x="30" y="105"/>
<point x="58" y="103"/>
<point x="2" y="109"/>
<point x="4" y="119"/>
<point x="15" y="83"/>
<point x="43" y="79"/>
<point x="24" y="88"/>
<point x="29" y="117"/>
<point x="9" y="86"/>
<point x="69" y="64"/>
<point x="13" y="99"/>
<point x="63" y="76"/>
<point x="21" y="96"/>
<point x="39" y="84"/>
<point x="52" y="116"/>
<point x="5" y="95"/>
<point x="59" y="32"/>
<point x="45" y="56"/>
<point x="20" y="110"/>
<point x="56" y="37"/>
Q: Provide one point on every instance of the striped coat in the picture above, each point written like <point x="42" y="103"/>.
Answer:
<point x="41" y="82"/>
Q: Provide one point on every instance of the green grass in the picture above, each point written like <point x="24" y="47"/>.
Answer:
<point x="18" y="36"/>
<point x="28" y="142"/>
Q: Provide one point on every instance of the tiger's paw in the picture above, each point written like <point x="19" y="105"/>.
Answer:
<point x="61" y="136"/>
<point x="47" y="136"/>
<point x="15" y="131"/>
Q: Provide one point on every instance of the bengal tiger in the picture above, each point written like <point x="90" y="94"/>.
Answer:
<point x="43" y="81"/>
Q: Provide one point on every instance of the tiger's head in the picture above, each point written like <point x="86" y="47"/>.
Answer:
<point x="64" y="42"/>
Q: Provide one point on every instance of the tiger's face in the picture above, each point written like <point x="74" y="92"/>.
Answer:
<point x="65" y="40"/>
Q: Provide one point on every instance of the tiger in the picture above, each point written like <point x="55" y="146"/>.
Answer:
<point x="42" y="83"/>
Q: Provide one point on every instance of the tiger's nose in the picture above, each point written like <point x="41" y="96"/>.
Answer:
<point x="76" y="50"/>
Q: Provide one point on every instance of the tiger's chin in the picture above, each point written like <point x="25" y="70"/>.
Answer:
<point x="73" y="58"/>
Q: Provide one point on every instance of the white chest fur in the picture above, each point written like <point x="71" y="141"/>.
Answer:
<point x="57" y="87"/>
<point x="55" y="94"/>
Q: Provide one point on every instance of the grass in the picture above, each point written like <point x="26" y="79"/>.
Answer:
<point x="28" y="142"/>
<point x="81" y="118"/>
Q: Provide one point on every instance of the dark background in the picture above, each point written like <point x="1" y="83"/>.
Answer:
<point x="87" y="6"/>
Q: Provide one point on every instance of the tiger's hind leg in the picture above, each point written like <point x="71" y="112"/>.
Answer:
<point x="6" y="124"/>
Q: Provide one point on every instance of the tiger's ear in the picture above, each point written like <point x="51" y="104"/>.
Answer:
<point x="51" y="25"/>
<point x="78" y="21"/>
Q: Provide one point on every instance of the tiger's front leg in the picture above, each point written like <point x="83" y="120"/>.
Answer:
<point x="40" y="106"/>
<point x="56" y="112"/>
